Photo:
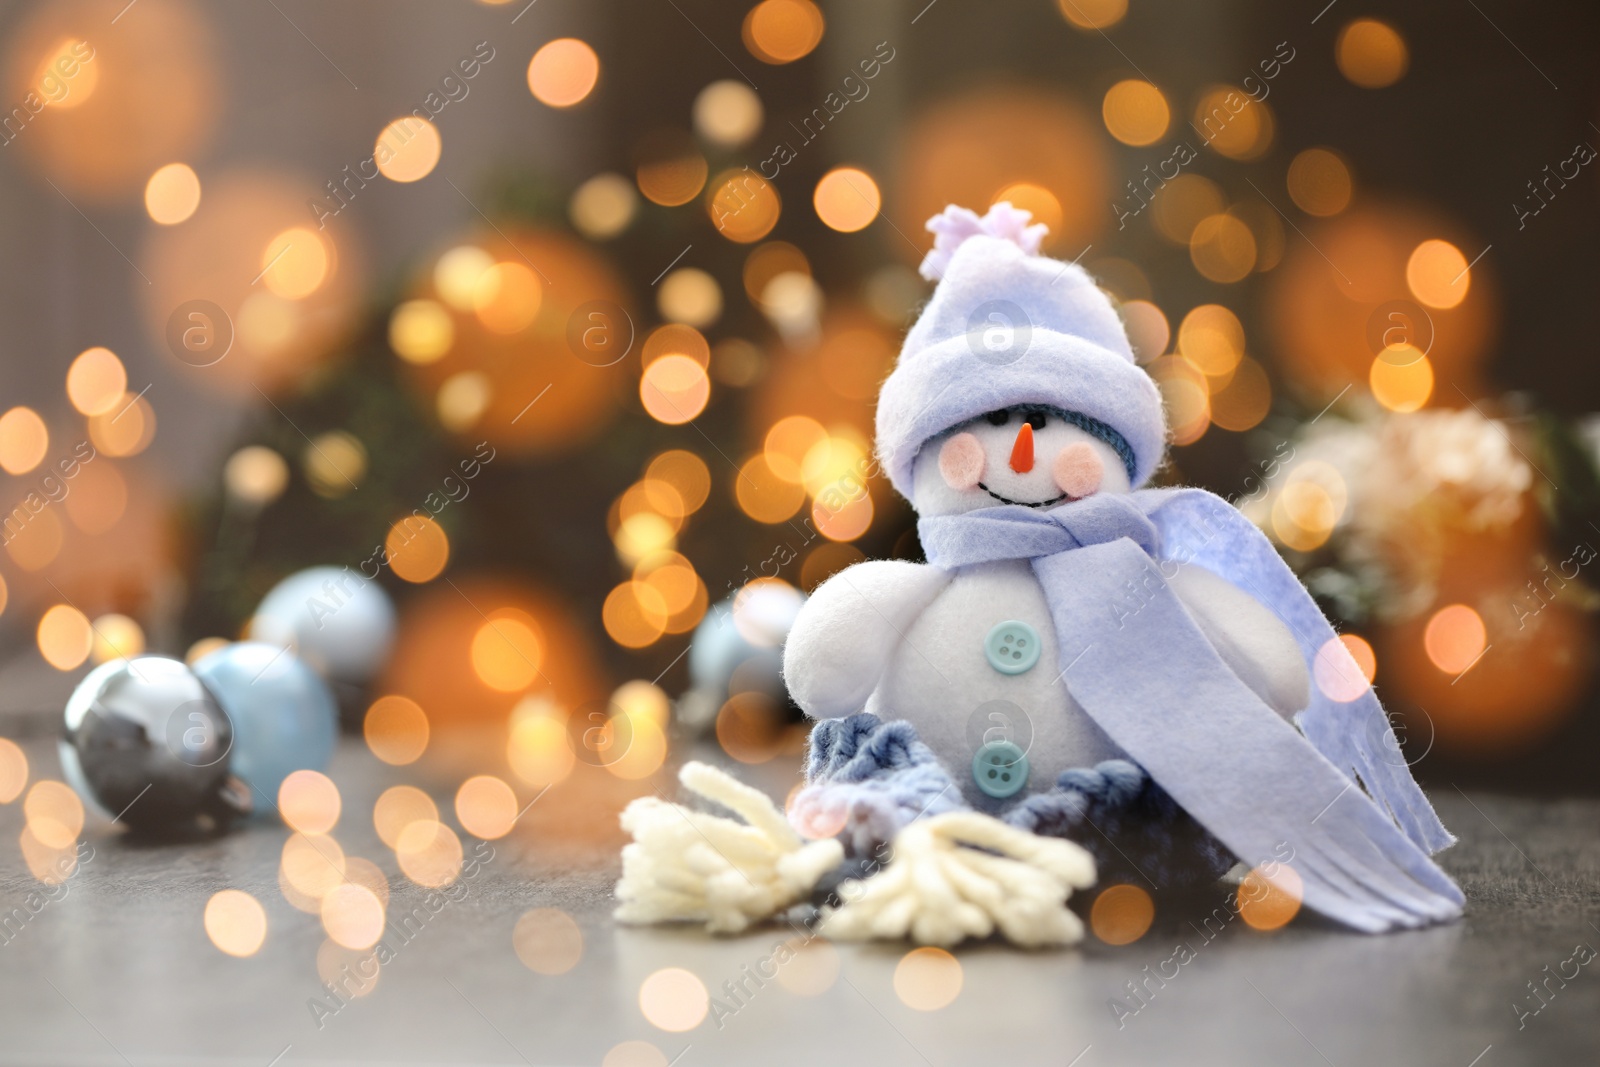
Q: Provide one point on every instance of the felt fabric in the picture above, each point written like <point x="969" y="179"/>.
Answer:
<point x="875" y="778"/>
<point x="1247" y="776"/>
<point x="1005" y="327"/>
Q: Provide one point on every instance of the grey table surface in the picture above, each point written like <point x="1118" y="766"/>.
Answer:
<point x="119" y="970"/>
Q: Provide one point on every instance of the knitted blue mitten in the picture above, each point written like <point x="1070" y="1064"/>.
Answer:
<point x="867" y="779"/>
<point x="1132" y="826"/>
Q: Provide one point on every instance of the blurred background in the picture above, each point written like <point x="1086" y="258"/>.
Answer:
<point x="566" y="321"/>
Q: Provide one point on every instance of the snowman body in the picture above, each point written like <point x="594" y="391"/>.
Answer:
<point x="939" y="648"/>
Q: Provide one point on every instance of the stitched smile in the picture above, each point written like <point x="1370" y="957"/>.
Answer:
<point x="1025" y="503"/>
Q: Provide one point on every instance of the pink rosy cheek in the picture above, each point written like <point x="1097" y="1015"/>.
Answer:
<point x="961" y="461"/>
<point x="1077" y="470"/>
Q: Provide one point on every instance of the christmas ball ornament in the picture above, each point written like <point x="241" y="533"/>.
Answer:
<point x="738" y="648"/>
<point x="148" y="743"/>
<point x="340" y="623"/>
<point x="284" y="717"/>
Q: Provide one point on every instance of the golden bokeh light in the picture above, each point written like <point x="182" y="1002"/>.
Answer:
<point x="396" y="730"/>
<point x="1093" y="14"/>
<point x="65" y="637"/>
<point x="646" y="751"/>
<point x="727" y="113"/>
<point x="1186" y="396"/>
<point x="782" y="31"/>
<point x="255" y="475"/>
<point x="507" y="650"/>
<point x="844" y="522"/>
<point x="1345" y="668"/>
<point x="674" y="1000"/>
<point x="675" y="579"/>
<point x="13" y="770"/>
<point x="563" y="72"/>
<point x="788" y="443"/>
<point x="1454" y="638"/>
<point x="635" y="614"/>
<point x="309" y="802"/>
<point x="116" y="637"/>
<point x="1212" y="338"/>
<point x="686" y="473"/>
<point x="826" y="560"/>
<point x="51" y="866"/>
<point x="927" y="979"/>
<point x="1244" y="401"/>
<point x="335" y="463"/>
<point x="675" y="338"/>
<point x="764" y="494"/>
<point x="1268" y="899"/>
<point x="847" y="199"/>
<point x="812" y="970"/>
<point x="1121" y="914"/>
<point x="353" y="916"/>
<point x="417" y="548"/>
<point x="1234" y="123"/>
<point x="421" y="331"/>
<point x="507" y="298"/>
<point x="743" y="206"/>
<point x="127" y="429"/>
<point x="1222" y="248"/>
<point x="457" y="274"/>
<point x="54" y="813"/>
<point x="603" y="206"/>
<point x="67" y="75"/>
<point x="640" y="699"/>
<point x="39" y="543"/>
<point x="172" y="194"/>
<point x="1149" y="332"/>
<point x="1320" y="182"/>
<point x="750" y="727"/>
<point x="547" y="941"/>
<point x="643" y="536"/>
<point x="689" y="295"/>
<point x="635" y="1054"/>
<point x="1183" y="203"/>
<point x="295" y="263"/>
<point x="1372" y="54"/>
<point x="766" y="262"/>
<point x="1135" y="112"/>
<point x="24" y="439"/>
<point x="538" y="750"/>
<point x="397" y="808"/>
<point x="1308" y="507"/>
<point x="203" y="648"/>
<point x="96" y="381"/>
<point x="407" y="149"/>
<point x="429" y="853"/>
<point x="486" y="807"/>
<point x="671" y="170"/>
<point x="236" y="922"/>
<point x="99" y="500"/>
<point x="1437" y="274"/>
<point x="1401" y="384"/>
<point x="311" y="865"/>
<point x="462" y="399"/>
<point x="674" y="389"/>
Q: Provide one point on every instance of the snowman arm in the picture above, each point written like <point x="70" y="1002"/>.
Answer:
<point x="1252" y="641"/>
<point x="846" y="632"/>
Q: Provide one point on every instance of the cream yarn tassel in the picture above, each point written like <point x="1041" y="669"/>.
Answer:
<point x="939" y="889"/>
<point x="686" y="865"/>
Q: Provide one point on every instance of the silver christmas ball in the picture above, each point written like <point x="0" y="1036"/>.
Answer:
<point x="738" y="648"/>
<point x="148" y="743"/>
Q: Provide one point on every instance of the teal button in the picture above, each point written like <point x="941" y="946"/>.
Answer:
<point x="1000" y="768"/>
<point x="1012" y="647"/>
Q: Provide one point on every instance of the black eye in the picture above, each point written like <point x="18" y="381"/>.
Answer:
<point x="998" y="418"/>
<point x="1036" y="419"/>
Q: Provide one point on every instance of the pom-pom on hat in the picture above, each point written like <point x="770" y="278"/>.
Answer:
<point x="1007" y="326"/>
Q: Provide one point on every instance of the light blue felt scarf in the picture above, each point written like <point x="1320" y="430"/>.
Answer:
<point x="1145" y="673"/>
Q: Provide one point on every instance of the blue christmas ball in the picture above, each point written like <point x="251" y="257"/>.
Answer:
<point x="284" y="718"/>
<point x="738" y="648"/>
<point x="339" y="622"/>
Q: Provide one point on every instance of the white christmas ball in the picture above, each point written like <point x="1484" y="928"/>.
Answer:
<point x="337" y="621"/>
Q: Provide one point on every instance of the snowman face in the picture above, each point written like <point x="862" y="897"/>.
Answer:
<point x="1027" y="455"/>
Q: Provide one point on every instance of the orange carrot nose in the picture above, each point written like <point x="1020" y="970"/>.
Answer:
<point x="1022" y="451"/>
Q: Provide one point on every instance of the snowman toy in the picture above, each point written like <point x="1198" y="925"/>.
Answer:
<point x="1085" y="677"/>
